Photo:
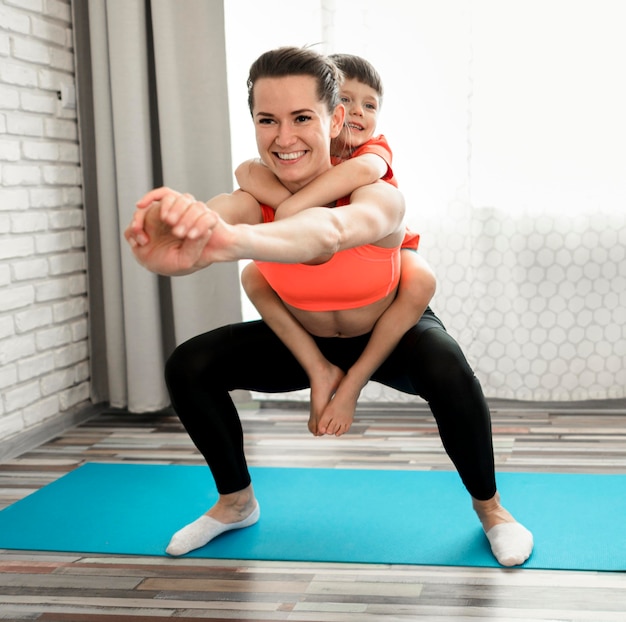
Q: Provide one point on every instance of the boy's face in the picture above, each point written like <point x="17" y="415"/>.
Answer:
<point x="362" y="105"/>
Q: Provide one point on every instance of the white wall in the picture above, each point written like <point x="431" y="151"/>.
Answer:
<point x="506" y="120"/>
<point x="43" y="304"/>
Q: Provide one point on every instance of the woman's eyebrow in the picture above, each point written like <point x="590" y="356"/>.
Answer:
<point x="293" y="113"/>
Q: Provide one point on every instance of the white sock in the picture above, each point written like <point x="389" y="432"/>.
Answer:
<point x="511" y="543"/>
<point x="203" y="530"/>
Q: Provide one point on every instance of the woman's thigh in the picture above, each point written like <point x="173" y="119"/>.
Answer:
<point x="426" y="360"/>
<point x="247" y="355"/>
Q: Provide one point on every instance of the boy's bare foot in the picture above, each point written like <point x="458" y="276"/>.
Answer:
<point x="323" y="387"/>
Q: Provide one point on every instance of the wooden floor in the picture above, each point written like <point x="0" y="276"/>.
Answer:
<point x="88" y="588"/>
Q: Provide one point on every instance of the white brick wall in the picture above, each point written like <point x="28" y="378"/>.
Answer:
<point x="44" y="367"/>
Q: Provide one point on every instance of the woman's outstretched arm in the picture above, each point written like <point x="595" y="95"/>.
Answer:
<point x="187" y="235"/>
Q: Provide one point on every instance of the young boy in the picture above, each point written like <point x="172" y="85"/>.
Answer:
<point x="360" y="159"/>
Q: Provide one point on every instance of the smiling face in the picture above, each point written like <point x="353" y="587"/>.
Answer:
<point x="362" y="105"/>
<point x="294" y="128"/>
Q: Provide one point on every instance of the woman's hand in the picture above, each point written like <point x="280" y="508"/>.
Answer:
<point x="159" y="248"/>
<point x="178" y="210"/>
<point x="159" y="198"/>
<point x="169" y="232"/>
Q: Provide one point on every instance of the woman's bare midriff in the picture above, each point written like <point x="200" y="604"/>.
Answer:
<point x="345" y="323"/>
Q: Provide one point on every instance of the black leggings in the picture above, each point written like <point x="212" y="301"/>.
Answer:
<point x="427" y="362"/>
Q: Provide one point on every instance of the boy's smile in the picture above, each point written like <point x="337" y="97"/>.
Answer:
<point x="362" y="104"/>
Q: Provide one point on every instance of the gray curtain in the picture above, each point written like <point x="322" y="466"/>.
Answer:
<point x="153" y="110"/>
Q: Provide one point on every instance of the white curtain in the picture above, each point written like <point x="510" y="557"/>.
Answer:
<point x="509" y="137"/>
<point x="153" y="110"/>
<point x="507" y="124"/>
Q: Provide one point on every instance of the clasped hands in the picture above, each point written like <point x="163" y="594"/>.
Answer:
<point x="171" y="233"/>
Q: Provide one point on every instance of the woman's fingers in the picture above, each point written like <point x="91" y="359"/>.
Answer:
<point x="154" y="195"/>
<point x="187" y="217"/>
<point x="174" y="206"/>
<point x="179" y="210"/>
<point x="135" y="232"/>
<point x="204" y="225"/>
<point x="137" y="228"/>
<point x="194" y="221"/>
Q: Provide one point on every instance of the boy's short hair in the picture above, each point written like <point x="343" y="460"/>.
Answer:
<point x="357" y="68"/>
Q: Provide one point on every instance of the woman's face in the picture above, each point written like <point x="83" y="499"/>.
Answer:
<point x="294" y="129"/>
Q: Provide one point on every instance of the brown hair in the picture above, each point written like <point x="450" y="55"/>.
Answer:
<point x="357" y="68"/>
<point x="296" y="61"/>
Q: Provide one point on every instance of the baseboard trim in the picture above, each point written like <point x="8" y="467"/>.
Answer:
<point x="614" y="406"/>
<point x="29" y="439"/>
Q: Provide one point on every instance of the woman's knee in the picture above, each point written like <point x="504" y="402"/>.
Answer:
<point x="176" y="372"/>
<point x="190" y="363"/>
<point x="444" y="363"/>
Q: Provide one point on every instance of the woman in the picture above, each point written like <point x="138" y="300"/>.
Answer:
<point x="294" y="101"/>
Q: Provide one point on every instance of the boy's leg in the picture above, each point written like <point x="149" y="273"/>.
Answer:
<point x="416" y="288"/>
<point x="417" y="282"/>
<point x="324" y="377"/>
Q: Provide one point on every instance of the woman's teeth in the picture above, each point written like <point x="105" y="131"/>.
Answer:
<point x="290" y="156"/>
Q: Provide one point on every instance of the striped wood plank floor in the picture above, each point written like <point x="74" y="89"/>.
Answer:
<point x="65" y="587"/>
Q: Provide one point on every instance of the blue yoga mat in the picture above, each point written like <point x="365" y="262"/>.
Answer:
<point x="324" y="515"/>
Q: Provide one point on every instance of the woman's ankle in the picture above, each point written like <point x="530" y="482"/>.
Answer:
<point x="235" y="506"/>
<point x="491" y="512"/>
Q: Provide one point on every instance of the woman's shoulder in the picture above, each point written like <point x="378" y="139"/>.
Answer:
<point x="238" y="207"/>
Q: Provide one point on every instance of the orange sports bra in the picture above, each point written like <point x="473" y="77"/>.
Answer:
<point x="350" y="279"/>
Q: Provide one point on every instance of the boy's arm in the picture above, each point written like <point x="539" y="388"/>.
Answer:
<point x="256" y="179"/>
<point x="339" y="181"/>
<point x="416" y="289"/>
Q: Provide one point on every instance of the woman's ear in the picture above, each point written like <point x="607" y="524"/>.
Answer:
<point x="337" y="121"/>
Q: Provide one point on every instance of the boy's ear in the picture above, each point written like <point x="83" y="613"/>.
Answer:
<point x="337" y="121"/>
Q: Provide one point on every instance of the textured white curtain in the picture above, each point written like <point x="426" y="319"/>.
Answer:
<point x="510" y="154"/>
<point x="154" y="110"/>
<point x="509" y="137"/>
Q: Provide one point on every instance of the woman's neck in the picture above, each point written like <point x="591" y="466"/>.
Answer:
<point x="294" y="186"/>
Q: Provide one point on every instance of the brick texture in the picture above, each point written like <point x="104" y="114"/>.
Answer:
<point x="44" y="350"/>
